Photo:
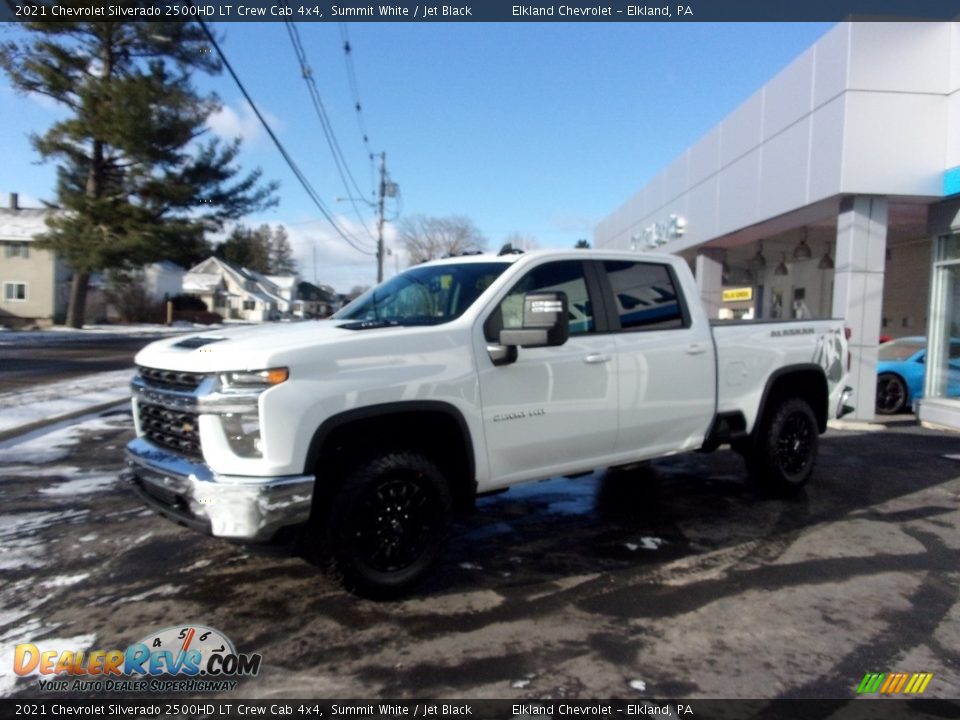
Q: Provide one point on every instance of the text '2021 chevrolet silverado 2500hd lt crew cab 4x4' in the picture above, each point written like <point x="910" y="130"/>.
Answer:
<point x="464" y="376"/>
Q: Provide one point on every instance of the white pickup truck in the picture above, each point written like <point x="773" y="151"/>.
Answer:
<point x="464" y="376"/>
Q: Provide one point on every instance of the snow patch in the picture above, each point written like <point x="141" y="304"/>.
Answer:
<point x="64" y="580"/>
<point x="85" y="484"/>
<point x="160" y="591"/>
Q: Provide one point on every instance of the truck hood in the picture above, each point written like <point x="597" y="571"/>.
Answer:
<point x="248" y="347"/>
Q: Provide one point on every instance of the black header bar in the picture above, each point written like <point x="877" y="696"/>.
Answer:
<point x="626" y="11"/>
<point x="359" y="709"/>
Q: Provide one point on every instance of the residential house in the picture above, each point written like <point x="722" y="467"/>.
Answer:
<point x="239" y="294"/>
<point x="315" y="301"/>
<point x="34" y="283"/>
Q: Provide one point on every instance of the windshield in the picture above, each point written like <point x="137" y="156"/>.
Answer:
<point x="423" y="295"/>
<point x="899" y="350"/>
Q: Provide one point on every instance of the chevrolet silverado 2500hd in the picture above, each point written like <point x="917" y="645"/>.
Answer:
<point x="464" y="376"/>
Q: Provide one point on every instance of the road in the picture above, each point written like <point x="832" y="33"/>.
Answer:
<point x="669" y="580"/>
<point x="44" y="359"/>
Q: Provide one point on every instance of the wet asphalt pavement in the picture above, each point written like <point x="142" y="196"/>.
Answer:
<point x="668" y="580"/>
<point x="26" y="362"/>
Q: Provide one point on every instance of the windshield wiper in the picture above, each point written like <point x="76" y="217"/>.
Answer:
<point x="369" y="324"/>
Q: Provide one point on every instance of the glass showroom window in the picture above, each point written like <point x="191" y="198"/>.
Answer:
<point x="14" y="291"/>
<point x="943" y="357"/>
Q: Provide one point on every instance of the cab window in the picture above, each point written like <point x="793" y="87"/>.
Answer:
<point x="646" y="297"/>
<point x="564" y="276"/>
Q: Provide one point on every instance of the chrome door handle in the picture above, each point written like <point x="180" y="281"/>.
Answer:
<point x="596" y="358"/>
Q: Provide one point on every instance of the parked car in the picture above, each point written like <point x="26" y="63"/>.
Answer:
<point x="900" y="371"/>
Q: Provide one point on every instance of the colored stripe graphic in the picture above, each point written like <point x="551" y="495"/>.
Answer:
<point x="918" y="683"/>
<point x="870" y="683"/>
<point x="893" y="683"/>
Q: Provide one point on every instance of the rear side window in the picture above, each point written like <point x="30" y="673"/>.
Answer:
<point x="646" y="297"/>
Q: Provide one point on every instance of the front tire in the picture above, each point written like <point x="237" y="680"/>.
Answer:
<point x="784" y="452"/>
<point x="891" y="394"/>
<point x="388" y="524"/>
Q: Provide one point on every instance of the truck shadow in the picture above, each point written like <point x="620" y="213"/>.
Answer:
<point x="652" y="514"/>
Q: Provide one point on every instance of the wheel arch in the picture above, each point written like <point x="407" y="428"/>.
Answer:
<point x="434" y="428"/>
<point x="806" y="381"/>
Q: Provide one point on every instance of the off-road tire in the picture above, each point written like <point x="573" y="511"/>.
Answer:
<point x="783" y="452"/>
<point x="388" y="523"/>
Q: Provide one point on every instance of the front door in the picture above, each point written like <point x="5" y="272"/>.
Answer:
<point x="553" y="410"/>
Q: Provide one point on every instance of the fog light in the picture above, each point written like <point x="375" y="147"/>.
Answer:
<point x="243" y="434"/>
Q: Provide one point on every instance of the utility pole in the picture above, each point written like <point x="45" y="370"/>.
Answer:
<point x="383" y="192"/>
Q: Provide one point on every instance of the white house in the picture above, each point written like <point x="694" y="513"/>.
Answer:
<point x="240" y="294"/>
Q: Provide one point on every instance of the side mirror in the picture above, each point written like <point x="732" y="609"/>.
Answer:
<point x="546" y="322"/>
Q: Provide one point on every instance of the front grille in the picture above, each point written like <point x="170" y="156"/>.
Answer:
<point x="171" y="379"/>
<point x="173" y="429"/>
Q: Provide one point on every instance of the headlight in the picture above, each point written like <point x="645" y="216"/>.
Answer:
<point x="254" y="379"/>
<point x="237" y="406"/>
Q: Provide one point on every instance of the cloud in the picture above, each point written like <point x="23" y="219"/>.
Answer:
<point x="322" y="253"/>
<point x="229" y="123"/>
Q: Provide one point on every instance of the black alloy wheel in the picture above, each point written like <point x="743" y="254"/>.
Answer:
<point x="389" y="523"/>
<point x="891" y="394"/>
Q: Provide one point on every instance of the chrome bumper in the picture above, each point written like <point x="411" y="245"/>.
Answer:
<point x="189" y="493"/>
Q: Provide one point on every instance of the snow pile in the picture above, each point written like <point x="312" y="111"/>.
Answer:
<point x="44" y="402"/>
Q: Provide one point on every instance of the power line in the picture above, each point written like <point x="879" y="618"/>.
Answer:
<point x="343" y="169"/>
<point x="354" y="89"/>
<point x="283" y="151"/>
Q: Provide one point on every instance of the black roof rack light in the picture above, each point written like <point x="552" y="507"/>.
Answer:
<point x="509" y="249"/>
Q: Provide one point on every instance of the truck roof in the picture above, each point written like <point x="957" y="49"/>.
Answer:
<point x="512" y="257"/>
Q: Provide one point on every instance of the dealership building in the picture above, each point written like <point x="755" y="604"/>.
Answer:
<point x="833" y="191"/>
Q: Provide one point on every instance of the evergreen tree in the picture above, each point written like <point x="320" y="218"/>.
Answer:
<point x="282" y="261"/>
<point x="247" y="248"/>
<point x="262" y="249"/>
<point x="135" y="180"/>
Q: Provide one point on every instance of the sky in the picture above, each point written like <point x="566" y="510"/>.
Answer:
<point x="537" y="129"/>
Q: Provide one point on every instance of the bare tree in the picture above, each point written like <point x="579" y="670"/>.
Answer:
<point x="426" y="238"/>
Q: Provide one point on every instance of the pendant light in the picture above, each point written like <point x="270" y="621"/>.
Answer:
<point x="782" y="267"/>
<point x="802" y="251"/>
<point x="758" y="261"/>
<point x="826" y="262"/>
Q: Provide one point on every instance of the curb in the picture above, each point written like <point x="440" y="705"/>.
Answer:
<point x="860" y="425"/>
<point x="46" y="422"/>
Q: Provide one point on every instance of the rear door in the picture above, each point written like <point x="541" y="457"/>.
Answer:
<point x="665" y="358"/>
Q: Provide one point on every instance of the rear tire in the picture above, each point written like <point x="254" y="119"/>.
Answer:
<point x="388" y="523"/>
<point x="891" y="394"/>
<point x="784" y="451"/>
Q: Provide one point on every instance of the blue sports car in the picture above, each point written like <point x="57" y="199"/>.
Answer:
<point x="900" y="372"/>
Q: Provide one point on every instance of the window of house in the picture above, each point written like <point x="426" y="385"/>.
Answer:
<point x="249" y="305"/>
<point x="17" y="250"/>
<point x="14" y="291"/>
<point x="646" y="297"/>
